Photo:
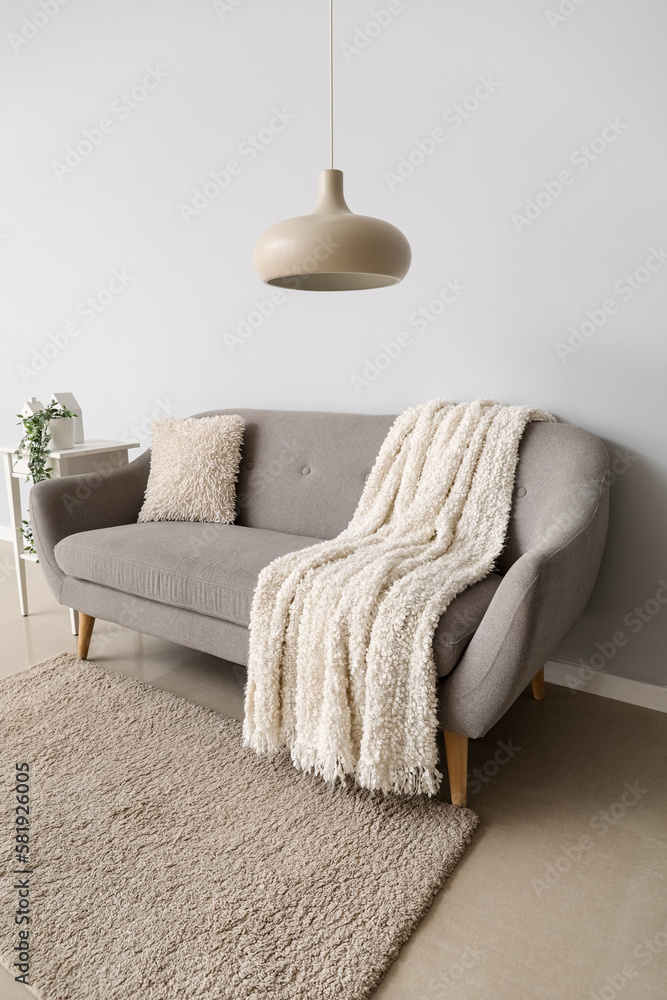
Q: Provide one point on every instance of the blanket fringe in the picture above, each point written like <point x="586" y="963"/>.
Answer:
<point x="332" y="768"/>
<point x="264" y="744"/>
<point x="405" y="781"/>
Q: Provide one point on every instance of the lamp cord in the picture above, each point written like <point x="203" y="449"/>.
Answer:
<point x="331" y="83"/>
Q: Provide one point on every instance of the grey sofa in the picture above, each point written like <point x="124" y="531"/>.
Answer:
<point x="301" y="477"/>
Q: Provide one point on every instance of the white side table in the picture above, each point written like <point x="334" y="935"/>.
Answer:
<point x="91" y="456"/>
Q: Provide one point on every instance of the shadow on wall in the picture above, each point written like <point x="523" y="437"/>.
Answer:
<point x="626" y="615"/>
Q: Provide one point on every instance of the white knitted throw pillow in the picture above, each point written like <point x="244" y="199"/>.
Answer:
<point x="194" y="468"/>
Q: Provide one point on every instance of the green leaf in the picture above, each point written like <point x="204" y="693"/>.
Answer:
<point x="35" y="441"/>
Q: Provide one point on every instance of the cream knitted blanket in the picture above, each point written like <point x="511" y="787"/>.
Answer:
<point x="341" y="665"/>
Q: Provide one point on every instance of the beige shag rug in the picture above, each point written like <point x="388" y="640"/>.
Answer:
<point x="170" y="862"/>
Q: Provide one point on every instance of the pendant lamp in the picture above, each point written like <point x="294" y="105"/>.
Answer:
<point x="332" y="249"/>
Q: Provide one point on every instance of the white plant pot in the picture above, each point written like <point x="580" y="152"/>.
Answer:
<point x="62" y="433"/>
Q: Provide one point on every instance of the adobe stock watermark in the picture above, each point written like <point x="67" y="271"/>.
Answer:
<point x="621" y="460"/>
<point x="106" y="634"/>
<point x="603" y="821"/>
<point x="644" y="952"/>
<point x="247" y="151"/>
<point x="625" y="289"/>
<point x="420" y="320"/>
<point x="635" y="621"/>
<point x="650" y="875"/>
<point x="121" y="109"/>
<point x="224" y="7"/>
<point x="261" y="479"/>
<point x="581" y="159"/>
<point x="258" y="482"/>
<point x="7" y="571"/>
<point x="83" y="490"/>
<point x="32" y="25"/>
<point x="250" y="323"/>
<point x="142" y="431"/>
<point x="88" y="310"/>
<point x="264" y="308"/>
<point x="455" y="972"/>
<point x="565" y="10"/>
<point x="364" y="34"/>
<point x="558" y="528"/>
<point x="480" y="776"/>
<point x="454" y="117"/>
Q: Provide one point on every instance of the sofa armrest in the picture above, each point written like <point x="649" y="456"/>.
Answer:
<point x="539" y="600"/>
<point x="64" y="506"/>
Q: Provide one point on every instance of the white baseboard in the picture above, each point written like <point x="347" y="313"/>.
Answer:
<point x="6" y="533"/>
<point x="607" y="685"/>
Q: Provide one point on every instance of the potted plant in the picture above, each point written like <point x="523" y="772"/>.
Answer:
<point x="38" y="430"/>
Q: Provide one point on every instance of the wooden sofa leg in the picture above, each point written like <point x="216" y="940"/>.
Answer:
<point x="86" y="623"/>
<point x="537" y="685"/>
<point x="456" y="748"/>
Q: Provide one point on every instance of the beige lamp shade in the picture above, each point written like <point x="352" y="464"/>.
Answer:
<point x="332" y="249"/>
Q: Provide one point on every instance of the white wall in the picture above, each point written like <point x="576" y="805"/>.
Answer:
<point x="160" y="345"/>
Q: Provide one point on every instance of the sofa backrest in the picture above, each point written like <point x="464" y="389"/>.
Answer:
<point x="303" y="473"/>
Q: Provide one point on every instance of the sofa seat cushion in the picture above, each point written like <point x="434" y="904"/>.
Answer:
<point x="209" y="568"/>
<point x="213" y="568"/>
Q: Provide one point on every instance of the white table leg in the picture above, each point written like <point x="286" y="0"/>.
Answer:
<point x="14" y="495"/>
<point x="63" y="470"/>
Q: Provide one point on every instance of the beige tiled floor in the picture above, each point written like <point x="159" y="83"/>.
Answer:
<point x="563" y="894"/>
